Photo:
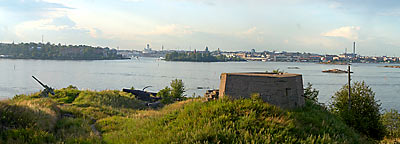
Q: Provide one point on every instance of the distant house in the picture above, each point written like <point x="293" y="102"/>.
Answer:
<point x="282" y="89"/>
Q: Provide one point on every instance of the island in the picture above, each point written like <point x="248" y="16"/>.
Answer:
<point x="392" y="66"/>
<point x="199" y="57"/>
<point x="336" y="71"/>
<point x="50" y="51"/>
<point x="334" y="63"/>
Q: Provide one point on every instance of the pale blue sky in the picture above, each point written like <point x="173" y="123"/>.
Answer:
<point x="319" y="26"/>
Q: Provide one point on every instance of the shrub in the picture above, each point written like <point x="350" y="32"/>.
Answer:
<point x="391" y="120"/>
<point x="66" y="95"/>
<point x="165" y="95"/>
<point x="178" y="89"/>
<point x="311" y="93"/>
<point x="363" y="115"/>
<point x="175" y="93"/>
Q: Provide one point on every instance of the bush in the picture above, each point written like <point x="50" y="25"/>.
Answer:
<point x="66" y="95"/>
<point x="391" y="120"/>
<point x="177" y="89"/>
<point x="175" y="93"/>
<point x="311" y="93"/>
<point x="363" y="115"/>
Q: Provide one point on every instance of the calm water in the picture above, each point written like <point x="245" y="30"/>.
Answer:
<point x="15" y="76"/>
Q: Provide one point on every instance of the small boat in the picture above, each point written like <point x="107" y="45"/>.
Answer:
<point x="203" y="87"/>
<point x="335" y="71"/>
<point x="293" y="67"/>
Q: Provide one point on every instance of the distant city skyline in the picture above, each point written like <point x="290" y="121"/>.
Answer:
<point x="315" y="26"/>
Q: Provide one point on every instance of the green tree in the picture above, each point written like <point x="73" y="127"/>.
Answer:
<point x="391" y="120"/>
<point x="311" y="93"/>
<point x="178" y="89"/>
<point x="363" y="115"/>
<point x="165" y="95"/>
<point x="175" y="93"/>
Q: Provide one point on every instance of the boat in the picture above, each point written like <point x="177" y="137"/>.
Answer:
<point x="293" y="67"/>
<point x="335" y="71"/>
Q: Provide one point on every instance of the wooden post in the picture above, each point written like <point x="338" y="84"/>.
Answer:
<point x="349" y="79"/>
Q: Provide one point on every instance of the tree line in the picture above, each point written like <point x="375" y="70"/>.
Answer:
<point x="56" y="52"/>
<point x="199" y="57"/>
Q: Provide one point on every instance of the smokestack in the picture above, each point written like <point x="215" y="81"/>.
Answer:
<point x="354" y="48"/>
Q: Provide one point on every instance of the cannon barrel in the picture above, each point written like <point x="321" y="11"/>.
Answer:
<point x="43" y="85"/>
<point x="47" y="88"/>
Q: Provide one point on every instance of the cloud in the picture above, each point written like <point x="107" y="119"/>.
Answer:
<point x="365" y="7"/>
<point x="252" y="33"/>
<point x="133" y="0"/>
<point x="348" y="32"/>
<point x="392" y="12"/>
<point x="32" y="9"/>
<point x="171" y="29"/>
<point x="206" y="2"/>
<point x="335" y="5"/>
<point x="53" y="25"/>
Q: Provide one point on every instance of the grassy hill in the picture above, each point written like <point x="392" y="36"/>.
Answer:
<point x="75" y="116"/>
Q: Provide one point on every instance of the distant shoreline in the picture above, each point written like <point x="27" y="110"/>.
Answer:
<point x="62" y="59"/>
<point x="201" y="61"/>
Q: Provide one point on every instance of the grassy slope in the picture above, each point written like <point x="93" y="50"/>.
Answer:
<point x="241" y="121"/>
<point x="68" y="117"/>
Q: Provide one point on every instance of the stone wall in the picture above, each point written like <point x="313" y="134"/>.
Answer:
<point x="284" y="89"/>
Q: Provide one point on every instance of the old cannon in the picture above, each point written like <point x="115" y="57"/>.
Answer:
<point x="47" y="89"/>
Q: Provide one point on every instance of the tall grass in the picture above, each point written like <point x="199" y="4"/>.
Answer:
<point x="225" y="121"/>
<point x="65" y="117"/>
<point x="68" y="117"/>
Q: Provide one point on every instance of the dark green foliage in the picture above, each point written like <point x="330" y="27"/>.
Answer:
<point x="166" y="96"/>
<point x="311" y="93"/>
<point x="26" y="135"/>
<point x="58" y="52"/>
<point x="178" y="89"/>
<point x="112" y="98"/>
<point x="391" y="120"/>
<point x="66" y="95"/>
<point x="364" y="115"/>
<point x="199" y="57"/>
<point x="105" y="103"/>
<point x="175" y="93"/>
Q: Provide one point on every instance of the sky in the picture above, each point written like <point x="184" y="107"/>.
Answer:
<point x="316" y="26"/>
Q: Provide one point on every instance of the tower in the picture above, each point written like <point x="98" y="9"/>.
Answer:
<point x="354" y="48"/>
